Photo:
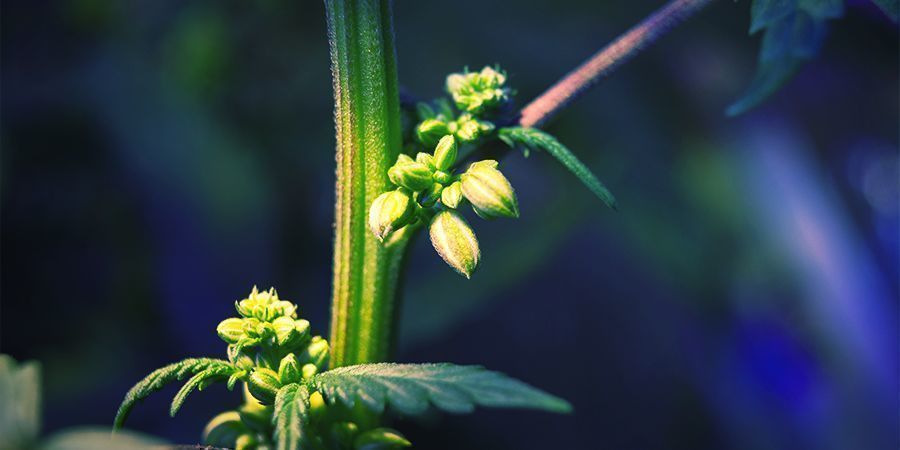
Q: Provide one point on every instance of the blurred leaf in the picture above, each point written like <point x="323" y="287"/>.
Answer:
<point x="890" y="7"/>
<point x="97" y="438"/>
<point x="534" y="139"/>
<point x="410" y="388"/>
<point x="20" y="402"/>
<point x="764" y="13"/>
<point x="794" y="34"/>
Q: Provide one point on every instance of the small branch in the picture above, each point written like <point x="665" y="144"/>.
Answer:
<point x="555" y="99"/>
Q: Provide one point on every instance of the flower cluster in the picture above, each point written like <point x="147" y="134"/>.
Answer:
<point x="429" y="191"/>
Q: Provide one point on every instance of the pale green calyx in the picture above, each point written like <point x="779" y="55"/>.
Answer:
<point x="489" y="191"/>
<point x="452" y="195"/>
<point x="477" y="92"/>
<point x="445" y="153"/>
<point x="390" y="211"/>
<point x="410" y="174"/>
<point x="430" y="131"/>
<point x="467" y="128"/>
<point x="455" y="242"/>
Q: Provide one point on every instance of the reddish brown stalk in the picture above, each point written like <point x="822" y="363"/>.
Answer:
<point x="573" y="85"/>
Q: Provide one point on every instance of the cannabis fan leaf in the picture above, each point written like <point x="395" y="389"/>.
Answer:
<point x="411" y="388"/>
<point x="528" y="139"/>
<point x="290" y="416"/>
<point x="163" y="376"/>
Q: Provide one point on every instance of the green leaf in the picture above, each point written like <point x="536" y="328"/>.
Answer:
<point x="290" y="416"/>
<point x="764" y="13"/>
<point x="891" y="8"/>
<point x="159" y="378"/>
<point x="534" y="139"/>
<point x="200" y="380"/>
<point x="410" y="388"/>
<point x="20" y="402"/>
<point x="794" y="33"/>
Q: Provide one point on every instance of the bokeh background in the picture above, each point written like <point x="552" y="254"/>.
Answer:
<point x="159" y="158"/>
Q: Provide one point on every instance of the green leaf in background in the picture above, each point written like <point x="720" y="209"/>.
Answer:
<point x="794" y="32"/>
<point x="410" y="388"/>
<point x="890" y="7"/>
<point x="20" y="403"/>
<point x="534" y="139"/>
<point x="159" y="378"/>
<point x="290" y="416"/>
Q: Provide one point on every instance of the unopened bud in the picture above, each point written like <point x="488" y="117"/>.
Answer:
<point x="309" y="370"/>
<point x="452" y="195"/>
<point x="455" y="241"/>
<point x="263" y="385"/>
<point x="430" y="131"/>
<point x="410" y="174"/>
<point x="431" y="196"/>
<point x="470" y="129"/>
<point x="445" y="152"/>
<point x="489" y="192"/>
<point x="316" y="353"/>
<point x="426" y="159"/>
<point x="389" y="212"/>
<point x="246" y="442"/>
<point x="231" y="330"/>
<point x="224" y="430"/>
<point x="442" y="177"/>
<point x="289" y="370"/>
<point x="380" y="439"/>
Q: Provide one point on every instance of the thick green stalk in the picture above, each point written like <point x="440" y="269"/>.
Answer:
<point x="367" y="122"/>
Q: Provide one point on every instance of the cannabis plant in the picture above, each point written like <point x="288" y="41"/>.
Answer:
<point x="403" y="167"/>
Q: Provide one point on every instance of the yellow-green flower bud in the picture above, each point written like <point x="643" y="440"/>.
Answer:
<point x="469" y="129"/>
<point x="246" y="442"/>
<point x="489" y="192"/>
<point x="455" y="241"/>
<point x="289" y="370"/>
<point x="316" y="353"/>
<point x="224" y="430"/>
<point x="478" y="91"/>
<point x="452" y="195"/>
<point x="389" y="212"/>
<point x="263" y="385"/>
<point x="380" y="439"/>
<point x="442" y="177"/>
<point x="410" y="174"/>
<point x="430" y="132"/>
<point x="316" y="404"/>
<point x="231" y="330"/>
<point x="445" y="153"/>
<point x="426" y="159"/>
<point x="309" y="370"/>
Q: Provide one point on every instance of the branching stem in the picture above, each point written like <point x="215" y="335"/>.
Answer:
<point x="573" y="85"/>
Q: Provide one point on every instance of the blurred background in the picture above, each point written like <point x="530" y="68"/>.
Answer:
<point x="159" y="158"/>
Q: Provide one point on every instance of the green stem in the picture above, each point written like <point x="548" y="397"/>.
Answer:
<point x="367" y="122"/>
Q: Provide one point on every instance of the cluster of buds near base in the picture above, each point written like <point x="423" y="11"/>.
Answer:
<point x="273" y="348"/>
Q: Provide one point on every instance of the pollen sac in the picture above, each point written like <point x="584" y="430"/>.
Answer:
<point x="430" y="131"/>
<point x="469" y="129"/>
<point x="478" y="92"/>
<point x="410" y="174"/>
<point x="224" y="430"/>
<point x="452" y="195"/>
<point x="445" y="153"/>
<point x="455" y="242"/>
<point x="489" y="192"/>
<point x="263" y="385"/>
<point x="231" y="330"/>
<point x="316" y="353"/>
<point x="289" y="369"/>
<point x="391" y="211"/>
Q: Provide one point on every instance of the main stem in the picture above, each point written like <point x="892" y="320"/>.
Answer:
<point x="367" y="122"/>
